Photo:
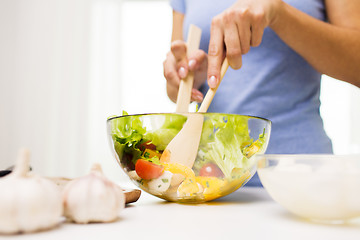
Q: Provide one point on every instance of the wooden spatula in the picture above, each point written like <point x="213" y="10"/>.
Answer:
<point x="184" y="94"/>
<point x="211" y="92"/>
<point x="183" y="147"/>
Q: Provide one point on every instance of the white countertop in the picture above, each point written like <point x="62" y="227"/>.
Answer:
<point x="248" y="213"/>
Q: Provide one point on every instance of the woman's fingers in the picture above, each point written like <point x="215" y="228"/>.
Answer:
<point x="232" y="40"/>
<point x="215" y="52"/>
<point x="196" y="95"/>
<point x="257" y="28"/>
<point x="172" y="92"/>
<point x="243" y="22"/>
<point x="197" y="59"/>
<point x="176" y="61"/>
<point x="170" y="71"/>
<point x="198" y="64"/>
<point x="178" y="48"/>
<point x="236" y="30"/>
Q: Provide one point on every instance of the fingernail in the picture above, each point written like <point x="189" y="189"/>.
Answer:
<point x="182" y="72"/>
<point x="192" y="64"/>
<point x="212" y="82"/>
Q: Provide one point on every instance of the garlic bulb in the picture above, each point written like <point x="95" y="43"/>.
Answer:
<point x="28" y="203"/>
<point x="93" y="198"/>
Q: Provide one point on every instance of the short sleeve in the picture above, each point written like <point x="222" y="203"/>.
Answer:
<point x="178" y="5"/>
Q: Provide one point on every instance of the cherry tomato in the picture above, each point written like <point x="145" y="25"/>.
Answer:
<point x="148" y="170"/>
<point x="211" y="170"/>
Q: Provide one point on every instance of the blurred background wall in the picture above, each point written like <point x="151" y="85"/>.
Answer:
<point x="67" y="65"/>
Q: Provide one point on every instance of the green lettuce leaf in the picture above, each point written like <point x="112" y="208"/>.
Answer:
<point x="222" y="141"/>
<point x="128" y="130"/>
<point x="127" y="134"/>
<point x="169" y="129"/>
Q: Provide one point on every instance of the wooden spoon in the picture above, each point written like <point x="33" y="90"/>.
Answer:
<point x="211" y="92"/>
<point x="183" y="147"/>
<point x="184" y="94"/>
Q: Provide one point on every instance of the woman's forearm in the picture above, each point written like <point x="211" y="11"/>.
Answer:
<point x="177" y="27"/>
<point x="332" y="50"/>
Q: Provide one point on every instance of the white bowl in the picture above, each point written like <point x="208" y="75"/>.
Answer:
<point x="322" y="188"/>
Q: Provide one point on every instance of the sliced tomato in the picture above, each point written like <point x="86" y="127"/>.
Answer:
<point x="211" y="170"/>
<point x="148" y="170"/>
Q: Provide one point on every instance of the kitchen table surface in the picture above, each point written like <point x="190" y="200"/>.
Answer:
<point x="248" y="213"/>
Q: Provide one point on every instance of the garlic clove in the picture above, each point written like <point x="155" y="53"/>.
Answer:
<point x="93" y="198"/>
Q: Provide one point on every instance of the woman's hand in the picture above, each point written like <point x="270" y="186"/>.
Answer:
<point x="235" y="30"/>
<point x="177" y="66"/>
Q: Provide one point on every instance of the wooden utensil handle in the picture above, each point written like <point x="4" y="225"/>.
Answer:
<point x="211" y="92"/>
<point x="186" y="85"/>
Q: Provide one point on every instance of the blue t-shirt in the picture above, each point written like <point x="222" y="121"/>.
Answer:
<point x="274" y="82"/>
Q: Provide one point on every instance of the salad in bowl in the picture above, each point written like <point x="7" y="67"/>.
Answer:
<point x="224" y="161"/>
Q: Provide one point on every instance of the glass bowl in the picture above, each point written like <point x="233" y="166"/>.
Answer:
<point x="321" y="188"/>
<point x="224" y="160"/>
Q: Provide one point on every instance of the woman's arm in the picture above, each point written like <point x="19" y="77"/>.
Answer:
<point x="170" y="71"/>
<point x="332" y="48"/>
<point x="177" y="28"/>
